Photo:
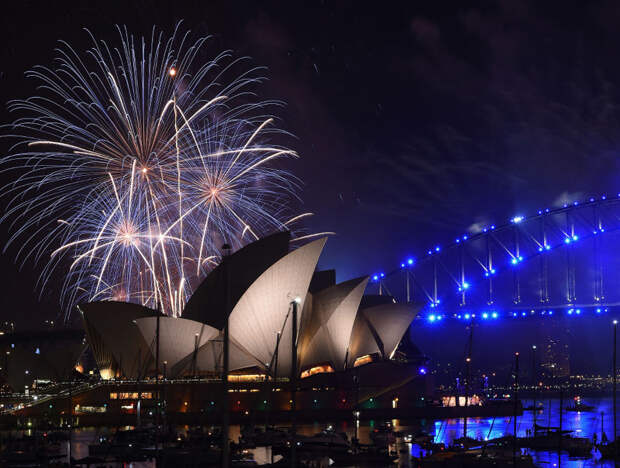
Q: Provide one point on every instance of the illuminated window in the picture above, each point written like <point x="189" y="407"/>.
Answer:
<point x="360" y="361"/>
<point x="326" y="368"/>
<point x="246" y="377"/>
<point x="473" y="400"/>
<point x="106" y="374"/>
<point x="90" y="409"/>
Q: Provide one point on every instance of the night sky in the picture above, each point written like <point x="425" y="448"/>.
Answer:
<point x="416" y="121"/>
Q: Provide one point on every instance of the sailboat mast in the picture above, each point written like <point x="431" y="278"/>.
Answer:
<point x="534" y="375"/>
<point x="615" y="381"/>
<point x="294" y="384"/>
<point x="561" y="415"/>
<point x="514" y="416"/>
<point x="158" y="416"/>
<point x="468" y="376"/>
<point x="226" y="364"/>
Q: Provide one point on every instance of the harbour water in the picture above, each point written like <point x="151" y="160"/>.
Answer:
<point x="583" y="424"/>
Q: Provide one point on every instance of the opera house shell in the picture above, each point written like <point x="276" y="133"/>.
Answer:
<point x="265" y="280"/>
<point x="260" y="284"/>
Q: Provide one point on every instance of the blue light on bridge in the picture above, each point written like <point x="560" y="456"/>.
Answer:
<point x="516" y="259"/>
<point x="432" y="318"/>
<point x="422" y="370"/>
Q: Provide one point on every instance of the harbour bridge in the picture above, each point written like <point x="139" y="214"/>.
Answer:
<point x="556" y="262"/>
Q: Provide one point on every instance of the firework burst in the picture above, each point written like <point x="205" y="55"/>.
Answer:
<point x="136" y="163"/>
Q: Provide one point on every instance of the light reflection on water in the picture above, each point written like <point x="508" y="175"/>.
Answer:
<point x="584" y="424"/>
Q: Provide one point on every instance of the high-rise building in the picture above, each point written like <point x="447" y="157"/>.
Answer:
<point x="555" y="359"/>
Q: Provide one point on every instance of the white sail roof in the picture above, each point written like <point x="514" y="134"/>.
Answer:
<point x="329" y="329"/>
<point x="379" y="329"/>
<point x="114" y="339"/>
<point x="391" y="322"/>
<point x="263" y="309"/>
<point x="208" y="301"/>
<point x="210" y="357"/>
<point x="178" y="338"/>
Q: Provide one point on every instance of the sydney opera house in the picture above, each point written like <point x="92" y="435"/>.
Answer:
<point x="346" y="345"/>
